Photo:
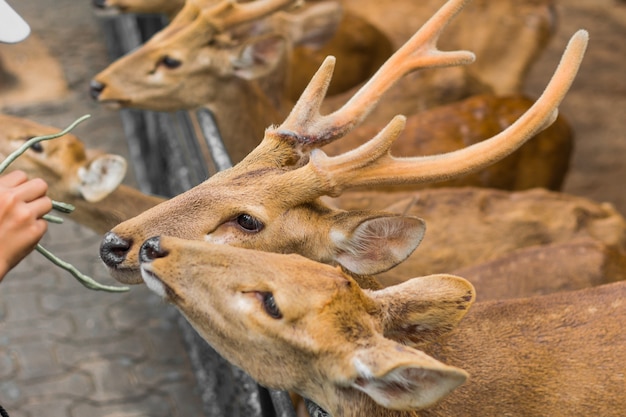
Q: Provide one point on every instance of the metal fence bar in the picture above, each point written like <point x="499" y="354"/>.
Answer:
<point x="209" y="128"/>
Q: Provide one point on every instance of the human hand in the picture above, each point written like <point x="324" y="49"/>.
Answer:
<point x="23" y="202"/>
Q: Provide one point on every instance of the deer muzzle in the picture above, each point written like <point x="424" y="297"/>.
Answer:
<point x="113" y="250"/>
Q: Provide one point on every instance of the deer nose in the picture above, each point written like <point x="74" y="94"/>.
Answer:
<point x="100" y="4"/>
<point x="113" y="249"/>
<point x="151" y="250"/>
<point x="95" y="88"/>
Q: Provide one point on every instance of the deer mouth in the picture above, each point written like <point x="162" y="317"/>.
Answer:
<point x="128" y="276"/>
<point x="153" y="281"/>
<point x="115" y="104"/>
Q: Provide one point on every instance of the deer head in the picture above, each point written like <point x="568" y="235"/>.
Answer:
<point x="270" y="201"/>
<point x="89" y="179"/>
<point x="208" y="50"/>
<point x="296" y="324"/>
<point x="70" y="169"/>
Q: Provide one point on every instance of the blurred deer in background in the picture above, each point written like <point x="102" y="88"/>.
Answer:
<point x="88" y="179"/>
<point x="271" y="200"/>
<point x="232" y="60"/>
<point x="295" y="324"/>
<point x="512" y="231"/>
<point x="523" y="27"/>
<point x="237" y="70"/>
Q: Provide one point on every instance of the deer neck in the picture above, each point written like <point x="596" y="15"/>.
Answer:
<point x="244" y="109"/>
<point x="122" y="204"/>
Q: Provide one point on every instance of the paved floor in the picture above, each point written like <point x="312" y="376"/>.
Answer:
<point x="69" y="351"/>
<point x="66" y="351"/>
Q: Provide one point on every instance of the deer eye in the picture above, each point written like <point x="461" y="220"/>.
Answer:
<point x="249" y="223"/>
<point x="170" y="62"/>
<point x="37" y="147"/>
<point x="269" y="304"/>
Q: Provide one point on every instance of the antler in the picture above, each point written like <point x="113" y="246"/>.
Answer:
<point x="308" y="128"/>
<point x="371" y="164"/>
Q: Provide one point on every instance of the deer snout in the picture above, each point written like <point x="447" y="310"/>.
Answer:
<point x="95" y="89"/>
<point x="151" y="250"/>
<point x="113" y="249"/>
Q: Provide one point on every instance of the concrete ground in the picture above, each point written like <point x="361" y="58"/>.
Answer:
<point x="66" y="351"/>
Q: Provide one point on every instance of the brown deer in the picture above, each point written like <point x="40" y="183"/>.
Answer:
<point x="471" y="226"/>
<point x="584" y="240"/>
<point x="231" y="60"/>
<point x="271" y="200"/>
<point x="528" y="26"/>
<point x="88" y="179"/>
<point x="296" y="324"/>
<point x="181" y="68"/>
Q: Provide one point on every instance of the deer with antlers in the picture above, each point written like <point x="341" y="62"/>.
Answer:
<point x="88" y="179"/>
<point x="584" y="240"/>
<point x="199" y="60"/>
<point x="271" y="200"/>
<point x="296" y="324"/>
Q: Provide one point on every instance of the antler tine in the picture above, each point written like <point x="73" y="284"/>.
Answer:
<point x="372" y="165"/>
<point x="229" y="13"/>
<point x="309" y="127"/>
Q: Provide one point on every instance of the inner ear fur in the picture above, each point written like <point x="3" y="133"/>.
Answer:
<point x="259" y="56"/>
<point x="402" y="378"/>
<point x="368" y="244"/>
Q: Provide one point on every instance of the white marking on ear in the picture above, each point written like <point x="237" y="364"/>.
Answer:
<point x="363" y="370"/>
<point x="103" y="175"/>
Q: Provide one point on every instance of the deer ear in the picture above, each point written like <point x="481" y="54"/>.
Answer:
<point x="259" y="56"/>
<point x="420" y="310"/>
<point x="377" y="243"/>
<point x="401" y="378"/>
<point x="312" y="25"/>
<point x="101" y="177"/>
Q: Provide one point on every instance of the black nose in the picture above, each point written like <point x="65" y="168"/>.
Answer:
<point x="95" y="88"/>
<point x="151" y="250"/>
<point x="100" y="4"/>
<point x="113" y="249"/>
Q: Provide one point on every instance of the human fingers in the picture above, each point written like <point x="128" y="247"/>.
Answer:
<point x="40" y="206"/>
<point x="31" y="190"/>
<point x="13" y="179"/>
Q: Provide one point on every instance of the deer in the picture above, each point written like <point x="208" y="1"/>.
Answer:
<point x="420" y="348"/>
<point x="271" y="200"/>
<point x="88" y="179"/>
<point x="531" y="30"/>
<point x="581" y="256"/>
<point x="472" y="226"/>
<point x="178" y="70"/>
<point x="246" y="81"/>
